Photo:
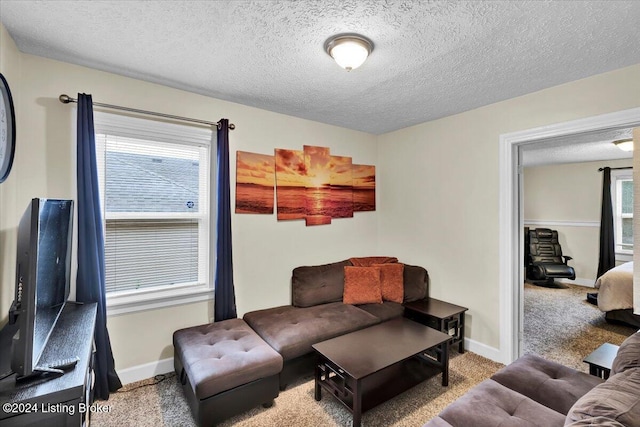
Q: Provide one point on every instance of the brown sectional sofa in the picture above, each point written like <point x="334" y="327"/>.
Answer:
<point x="317" y="313"/>
<point x="228" y="367"/>
<point x="533" y="391"/>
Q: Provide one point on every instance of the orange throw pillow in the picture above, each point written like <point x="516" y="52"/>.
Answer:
<point x="362" y="285"/>
<point x="392" y="281"/>
<point x="371" y="260"/>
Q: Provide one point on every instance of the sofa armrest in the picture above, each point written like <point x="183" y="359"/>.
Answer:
<point x="416" y="283"/>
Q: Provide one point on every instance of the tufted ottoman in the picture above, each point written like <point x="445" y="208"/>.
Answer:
<point x="225" y="368"/>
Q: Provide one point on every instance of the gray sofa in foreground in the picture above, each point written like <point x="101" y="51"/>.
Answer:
<point x="533" y="391"/>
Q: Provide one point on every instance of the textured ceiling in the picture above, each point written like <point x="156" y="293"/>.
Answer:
<point x="587" y="147"/>
<point x="431" y="59"/>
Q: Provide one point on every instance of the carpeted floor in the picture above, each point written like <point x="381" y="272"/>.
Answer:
<point x="163" y="405"/>
<point x="558" y="324"/>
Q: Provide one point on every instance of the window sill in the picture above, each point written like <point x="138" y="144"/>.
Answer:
<point x="624" y="257"/>
<point x="119" y="303"/>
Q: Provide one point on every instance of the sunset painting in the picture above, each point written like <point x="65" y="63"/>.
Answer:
<point x="341" y="187"/>
<point x="310" y="184"/>
<point x="317" y="162"/>
<point x="291" y="184"/>
<point x="254" y="183"/>
<point x="364" y="188"/>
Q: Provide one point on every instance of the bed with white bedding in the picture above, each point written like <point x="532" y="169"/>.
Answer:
<point x="615" y="294"/>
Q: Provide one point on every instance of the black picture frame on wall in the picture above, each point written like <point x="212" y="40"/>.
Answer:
<point x="7" y="129"/>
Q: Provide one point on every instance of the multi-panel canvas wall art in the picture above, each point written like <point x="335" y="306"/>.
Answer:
<point x="317" y="162"/>
<point x="364" y="188"/>
<point x="310" y="184"/>
<point x="254" y="183"/>
<point x="291" y="184"/>
<point x="341" y="187"/>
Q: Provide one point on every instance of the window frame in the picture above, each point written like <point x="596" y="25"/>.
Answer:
<point x="134" y="300"/>
<point x="617" y="177"/>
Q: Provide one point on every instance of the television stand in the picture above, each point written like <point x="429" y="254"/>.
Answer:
<point x="62" y="400"/>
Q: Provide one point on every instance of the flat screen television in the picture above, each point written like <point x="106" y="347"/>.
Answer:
<point x="43" y="265"/>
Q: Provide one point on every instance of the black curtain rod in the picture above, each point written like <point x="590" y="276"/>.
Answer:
<point x="66" y="99"/>
<point x="613" y="169"/>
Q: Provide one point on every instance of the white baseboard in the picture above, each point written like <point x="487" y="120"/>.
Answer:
<point x="589" y="283"/>
<point x="483" y="350"/>
<point x="147" y="370"/>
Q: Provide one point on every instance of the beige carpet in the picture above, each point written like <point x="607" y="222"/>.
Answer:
<point x="163" y="405"/>
<point x="558" y="324"/>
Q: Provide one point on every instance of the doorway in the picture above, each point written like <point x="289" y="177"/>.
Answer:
<point x="511" y="245"/>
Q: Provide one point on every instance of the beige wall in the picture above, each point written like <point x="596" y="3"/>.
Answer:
<point x="265" y="251"/>
<point x="439" y="188"/>
<point x="10" y="69"/>
<point x="569" y="193"/>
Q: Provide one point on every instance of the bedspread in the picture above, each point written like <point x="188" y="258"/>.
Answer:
<point x="615" y="288"/>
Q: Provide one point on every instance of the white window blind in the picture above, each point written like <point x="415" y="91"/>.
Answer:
<point x="155" y="190"/>
<point x="622" y="201"/>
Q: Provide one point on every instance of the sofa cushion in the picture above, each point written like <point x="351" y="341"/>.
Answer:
<point x="292" y="330"/>
<point x="595" y="421"/>
<point x="490" y="404"/>
<point x="416" y="283"/>
<point x="548" y="383"/>
<point x="386" y="311"/>
<point x="318" y="284"/>
<point x="628" y="355"/>
<point x="370" y="260"/>
<point x="362" y="285"/>
<point x="392" y="281"/>
<point x="617" y="399"/>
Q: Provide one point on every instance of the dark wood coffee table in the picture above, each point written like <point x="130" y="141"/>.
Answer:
<point x="365" y="368"/>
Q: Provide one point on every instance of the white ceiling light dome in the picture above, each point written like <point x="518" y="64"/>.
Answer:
<point x="624" y="144"/>
<point x="349" y="50"/>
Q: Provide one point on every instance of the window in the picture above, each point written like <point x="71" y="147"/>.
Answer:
<point x="155" y="181"/>
<point x="622" y="201"/>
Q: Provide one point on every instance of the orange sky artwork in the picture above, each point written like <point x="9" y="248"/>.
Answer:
<point x="255" y="179"/>
<point x="310" y="184"/>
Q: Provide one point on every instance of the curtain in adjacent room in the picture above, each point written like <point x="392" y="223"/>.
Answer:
<point x="224" y="298"/>
<point x="90" y="284"/>
<point x="607" y="259"/>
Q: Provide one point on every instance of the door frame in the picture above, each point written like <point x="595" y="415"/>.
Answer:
<point x="511" y="218"/>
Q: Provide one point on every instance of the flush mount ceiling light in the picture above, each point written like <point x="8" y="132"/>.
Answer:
<point x="349" y="50"/>
<point x="624" y="144"/>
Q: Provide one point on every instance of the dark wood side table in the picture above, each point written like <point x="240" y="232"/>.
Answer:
<point x="440" y="315"/>
<point x="601" y="359"/>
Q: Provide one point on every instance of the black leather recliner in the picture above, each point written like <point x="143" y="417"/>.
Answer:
<point x="544" y="259"/>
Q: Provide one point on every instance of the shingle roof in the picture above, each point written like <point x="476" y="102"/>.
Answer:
<point x="143" y="183"/>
